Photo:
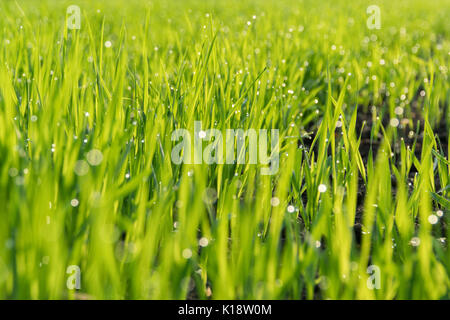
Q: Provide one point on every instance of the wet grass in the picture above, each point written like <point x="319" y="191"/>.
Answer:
<point x="86" y="177"/>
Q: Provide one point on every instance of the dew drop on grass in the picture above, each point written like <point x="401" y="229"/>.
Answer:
<point x="203" y="242"/>
<point x="274" y="202"/>
<point x="179" y="204"/>
<point x="291" y="209"/>
<point x="94" y="157"/>
<point x="415" y="241"/>
<point x="209" y="196"/>
<point x="202" y="134"/>
<point x="187" y="253"/>
<point x="81" y="168"/>
<point x="433" y="219"/>
<point x="439" y="213"/>
<point x="108" y="44"/>
<point x="322" y="188"/>
<point x="323" y="284"/>
<point x="13" y="172"/>
<point x="399" y="111"/>
<point x="74" y="203"/>
<point x="394" y="122"/>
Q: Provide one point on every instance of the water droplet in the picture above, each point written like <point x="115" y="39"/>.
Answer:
<point x="433" y="219"/>
<point x="13" y="172"/>
<point x="94" y="157"/>
<point x="394" y="122"/>
<point x="274" y="201"/>
<point x="187" y="253"/>
<point x="203" y="242"/>
<point x="209" y="196"/>
<point x="74" y="202"/>
<point x="399" y="111"/>
<point x="415" y="241"/>
<point x="179" y="204"/>
<point x="81" y="168"/>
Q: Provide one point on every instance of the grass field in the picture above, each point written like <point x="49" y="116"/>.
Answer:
<point x="93" y="207"/>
